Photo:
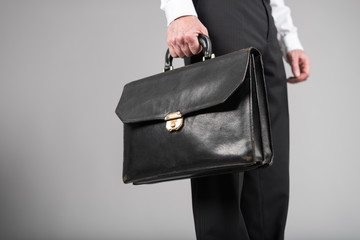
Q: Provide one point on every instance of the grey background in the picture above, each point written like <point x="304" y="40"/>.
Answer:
<point x="62" y="68"/>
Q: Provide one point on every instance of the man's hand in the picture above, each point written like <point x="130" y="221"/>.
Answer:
<point x="300" y="65"/>
<point x="182" y="36"/>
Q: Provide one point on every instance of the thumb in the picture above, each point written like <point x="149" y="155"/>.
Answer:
<point x="295" y="66"/>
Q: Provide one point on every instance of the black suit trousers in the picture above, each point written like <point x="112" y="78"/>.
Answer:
<point x="250" y="205"/>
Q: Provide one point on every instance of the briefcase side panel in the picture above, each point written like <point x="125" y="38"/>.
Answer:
<point x="255" y="115"/>
<point x="263" y="108"/>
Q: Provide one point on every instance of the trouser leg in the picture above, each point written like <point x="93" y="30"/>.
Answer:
<point x="216" y="207"/>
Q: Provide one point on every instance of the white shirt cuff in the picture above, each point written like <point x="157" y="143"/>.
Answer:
<point x="292" y="42"/>
<point x="177" y="8"/>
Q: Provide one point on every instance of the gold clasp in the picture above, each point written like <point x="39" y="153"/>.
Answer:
<point x="174" y="121"/>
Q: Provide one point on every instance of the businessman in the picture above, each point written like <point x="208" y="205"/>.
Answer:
<point x="251" y="205"/>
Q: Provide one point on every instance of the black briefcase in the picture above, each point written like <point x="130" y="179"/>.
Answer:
<point x="206" y="118"/>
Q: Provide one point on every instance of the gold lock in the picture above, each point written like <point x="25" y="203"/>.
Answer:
<point x="174" y="121"/>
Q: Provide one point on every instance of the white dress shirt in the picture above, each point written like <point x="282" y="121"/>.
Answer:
<point x="287" y="32"/>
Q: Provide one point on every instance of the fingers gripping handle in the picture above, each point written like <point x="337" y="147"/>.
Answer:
<point x="204" y="42"/>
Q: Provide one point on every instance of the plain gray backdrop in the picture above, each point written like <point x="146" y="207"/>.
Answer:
<point x="62" y="68"/>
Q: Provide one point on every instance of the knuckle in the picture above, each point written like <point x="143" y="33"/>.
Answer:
<point x="188" y="38"/>
<point x="204" y="30"/>
<point x="170" y="41"/>
<point x="294" y="64"/>
<point x="179" y="39"/>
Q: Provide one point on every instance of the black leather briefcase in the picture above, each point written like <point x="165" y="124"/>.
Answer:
<point x="205" y="118"/>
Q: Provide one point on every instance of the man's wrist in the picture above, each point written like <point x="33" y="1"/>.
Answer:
<point x="182" y="17"/>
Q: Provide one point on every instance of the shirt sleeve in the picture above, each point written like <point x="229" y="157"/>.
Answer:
<point x="177" y="8"/>
<point x="287" y="32"/>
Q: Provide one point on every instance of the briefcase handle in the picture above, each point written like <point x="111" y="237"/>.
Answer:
<point x="204" y="42"/>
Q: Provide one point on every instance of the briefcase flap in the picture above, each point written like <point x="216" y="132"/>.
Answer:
<point x="186" y="89"/>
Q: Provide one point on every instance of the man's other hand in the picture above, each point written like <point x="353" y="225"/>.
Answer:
<point x="300" y="65"/>
<point x="182" y="36"/>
